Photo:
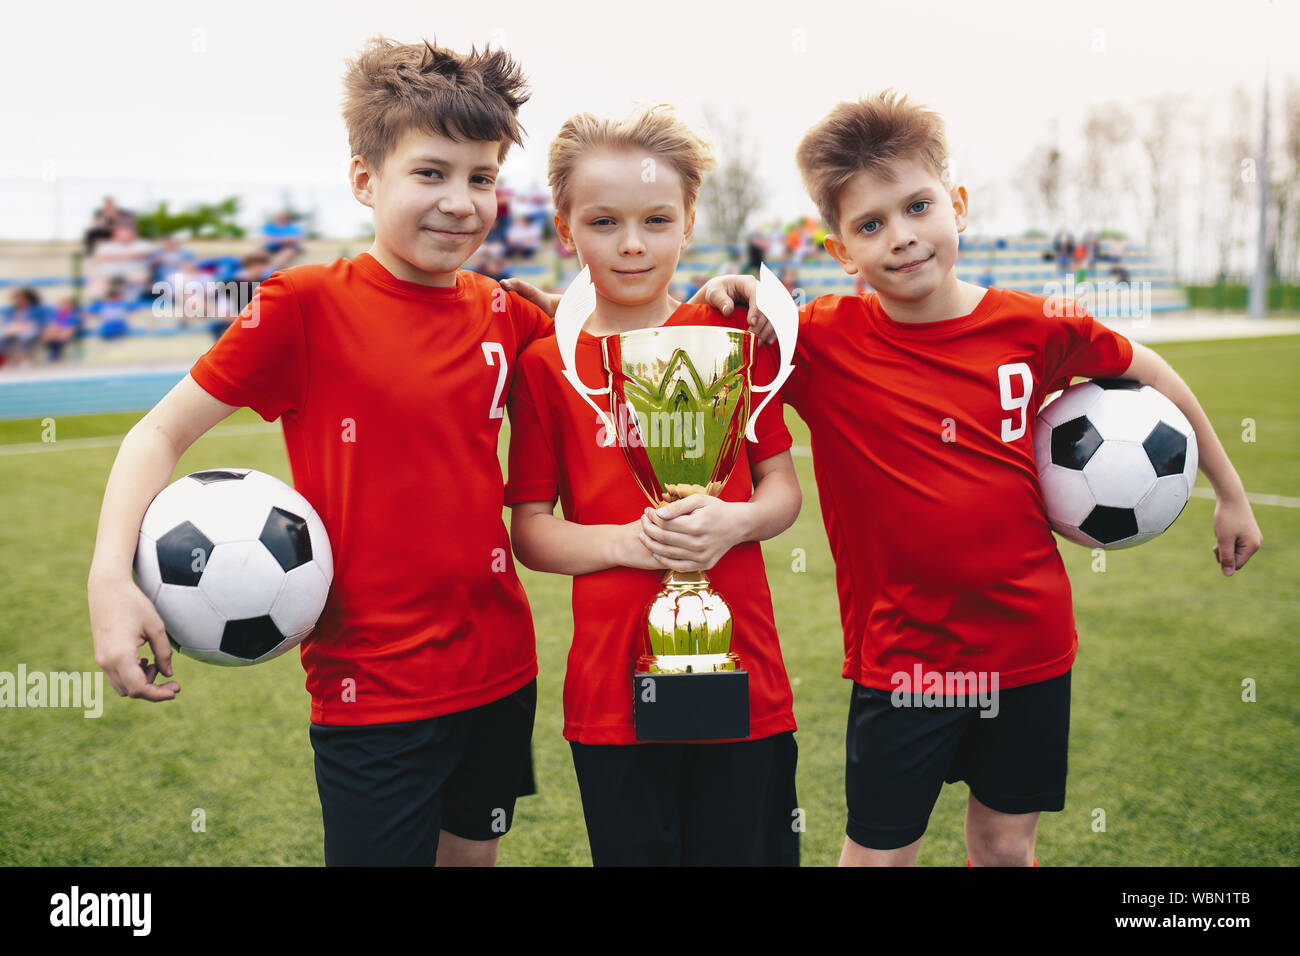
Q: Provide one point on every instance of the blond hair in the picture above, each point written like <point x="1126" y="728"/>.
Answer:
<point x="390" y="88"/>
<point x="871" y="135"/>
<point x="654" y="129"/>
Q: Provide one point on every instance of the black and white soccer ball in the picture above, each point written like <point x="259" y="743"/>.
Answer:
<point x="236" y="562"/>
<point x="1116" y="462"/>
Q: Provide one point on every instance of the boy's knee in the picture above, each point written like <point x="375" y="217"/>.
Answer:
<point x="457" y="851"/>
<point x="1001" y="849"/>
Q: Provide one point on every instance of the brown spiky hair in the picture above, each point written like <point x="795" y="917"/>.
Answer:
<point x="872" y="134"/>
<point x="652" y="129"/>
<point x="390" y="88"/>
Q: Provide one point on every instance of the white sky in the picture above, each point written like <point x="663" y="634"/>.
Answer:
<point x="148" y="95"/>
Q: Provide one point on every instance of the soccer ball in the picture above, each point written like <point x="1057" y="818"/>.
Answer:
<point x="1116" y="462"/>
<point x="236" y="562"/>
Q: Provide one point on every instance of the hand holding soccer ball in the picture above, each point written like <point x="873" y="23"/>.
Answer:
<point x="1116" y="462"/>
<point x="236" y="562"/>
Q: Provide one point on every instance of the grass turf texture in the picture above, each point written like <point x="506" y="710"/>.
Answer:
<point x="1185" y="771"/>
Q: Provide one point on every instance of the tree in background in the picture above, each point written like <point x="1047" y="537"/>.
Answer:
<point x="1237" y="166"/>
<point x="202" y="221"/>
<point x="1286" y="185"/>
<point x="1159" y="136"/>
<point x="732" y="192"/>
<point x="1106" y="182"/>
<point x="1040" y="180"/>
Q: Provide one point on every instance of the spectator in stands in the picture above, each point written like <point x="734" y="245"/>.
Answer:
<point x="775" y="239"/>
<point x="105" y="221"/>
<point x="790" y="279"/>
<point x="1063" y="246"/>
<point x="125" y="260"/>
<point x="757" y="247"/>
<point x="533" y="204"/>
<point x="239" y="290"/>
<point x="113" y="313"/>
<point x="793" y="241"/>
<point x="21" y="330"/>
<point x="61" y="329"/>
<point x="524" y="237"/>
<point x="1090" y="248"/>
<point x="1110" y="250"/>
<point x="498" y="232"/>
<point x="175" y="268"/>
<point x="284" y="240"/>
<point x="496" y="267"/>
<point x="253" y="268"/>
<point x="171" y="257"/>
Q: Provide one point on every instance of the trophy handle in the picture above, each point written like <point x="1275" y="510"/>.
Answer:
<point x="576" y="306"/>
<point x="774" y="302"/>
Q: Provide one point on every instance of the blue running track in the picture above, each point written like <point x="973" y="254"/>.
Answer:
<point x="86" y="393"/>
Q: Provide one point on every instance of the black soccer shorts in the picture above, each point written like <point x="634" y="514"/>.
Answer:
<point x="898" y="758"/>
<point x="387" y="789"/>
<point x="691" y="804"/>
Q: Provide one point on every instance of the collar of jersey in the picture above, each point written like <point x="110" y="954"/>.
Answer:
<point x="375" y="271"/>
<point x="931" y="330"/>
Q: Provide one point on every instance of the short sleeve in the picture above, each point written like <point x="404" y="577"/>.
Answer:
<point x="259" y="361"/>
<point x="532" y="464"/>
<point x="531" y="323"/>
<point x="1079" y="345"/>
<point x="773" y="436"/>
<point x="795" y="387"/>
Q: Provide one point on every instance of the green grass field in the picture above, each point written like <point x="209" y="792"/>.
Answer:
<point x="1161" y="740"/>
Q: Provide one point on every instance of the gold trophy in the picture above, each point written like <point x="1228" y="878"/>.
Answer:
<point x="679" y="406"/>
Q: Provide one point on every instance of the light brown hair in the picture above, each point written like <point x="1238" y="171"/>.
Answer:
<point x="872" y="134"/>
<point x="655" y="129"/>
<point x="390" y="88"/>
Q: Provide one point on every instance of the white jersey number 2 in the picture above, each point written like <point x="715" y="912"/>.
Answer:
<point x="1015" y="399"/>
<point x="490" y="349"/>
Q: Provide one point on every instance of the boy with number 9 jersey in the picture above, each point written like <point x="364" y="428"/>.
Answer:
<point x="920" y="399"/>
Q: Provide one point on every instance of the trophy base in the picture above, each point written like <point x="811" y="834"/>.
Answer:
<point x="691" y="705"/>
<point x="687" y="663"/>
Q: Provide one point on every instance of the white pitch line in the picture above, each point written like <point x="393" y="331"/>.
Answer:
<point x="803" y="451"/>
<point x="111" y="441"/>
<point x="1253" y="498"/>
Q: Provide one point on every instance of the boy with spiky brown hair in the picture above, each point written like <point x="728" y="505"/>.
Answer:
<point x="920" y="398"/>
<point x="390" y="372"/>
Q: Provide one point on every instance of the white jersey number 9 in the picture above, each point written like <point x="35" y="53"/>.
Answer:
<point x="1012" y="402"/>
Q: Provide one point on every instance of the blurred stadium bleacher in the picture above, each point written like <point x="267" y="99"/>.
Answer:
<point x="55" y="270"/>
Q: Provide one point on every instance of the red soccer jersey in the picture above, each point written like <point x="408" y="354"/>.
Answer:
<point x="392" y="396"/>
<point x="555" y="453"/>
<point x="922" y="440"/>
